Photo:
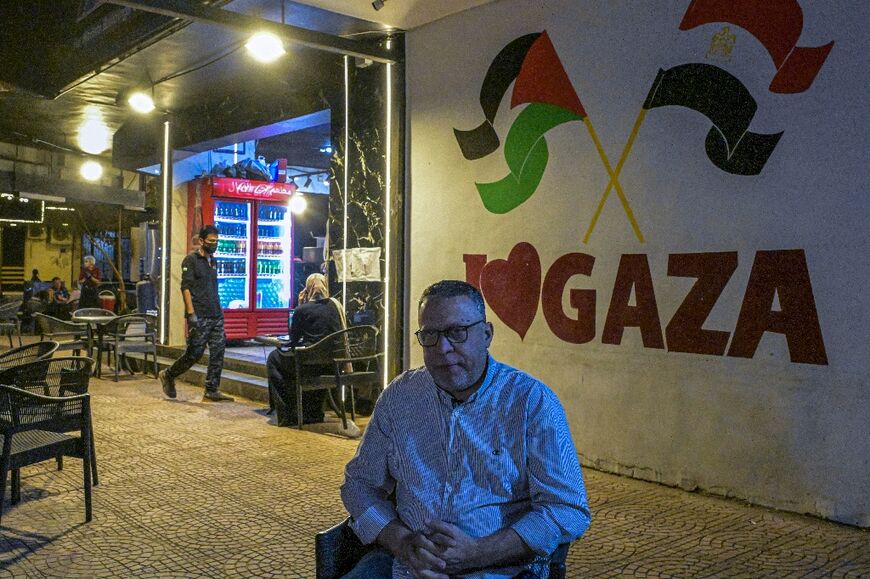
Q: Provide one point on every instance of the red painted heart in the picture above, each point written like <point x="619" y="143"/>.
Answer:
<point x="512" y="287"/>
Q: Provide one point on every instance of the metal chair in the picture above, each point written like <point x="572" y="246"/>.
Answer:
<point x="76" y="334"/>
<point x="128" y="334"/>
<point x="31" y="429"/>
<point x="10" y="322"/>
<point x="55" y="377"/>
<point x="337" y="550"/>
<point x="359" y="364"/>
<point x="334" y="352"/>
<point x="28" y="353"/>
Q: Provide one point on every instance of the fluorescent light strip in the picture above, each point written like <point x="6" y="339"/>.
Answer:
<point x="387" y="203"/>
<point x="164" y="232"/>
<point x="41" y="215"/>
<point x="346" y="171"/>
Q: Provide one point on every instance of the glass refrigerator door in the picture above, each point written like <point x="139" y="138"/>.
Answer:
<point x="274" y="240"/>
<point x="233" y="220"/>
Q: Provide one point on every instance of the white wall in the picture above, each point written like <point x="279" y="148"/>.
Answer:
<point x="793" y="435"/>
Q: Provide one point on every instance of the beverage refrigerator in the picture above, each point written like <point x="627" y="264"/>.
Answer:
<point x="255" y="251"/>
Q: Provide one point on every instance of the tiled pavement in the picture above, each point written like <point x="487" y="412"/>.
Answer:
<point x="192" y="489"/>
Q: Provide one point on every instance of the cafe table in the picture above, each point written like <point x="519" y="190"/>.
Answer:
<point x="96" y="324"/>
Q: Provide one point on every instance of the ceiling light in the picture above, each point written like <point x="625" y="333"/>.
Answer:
<point x="265" y="47"/>
<point x="308" y="181"/>
<point x="298" y="204"/>
<point x="93" y="133"/>
<point x="91" y="170"/>
<point x="140" y="101"/>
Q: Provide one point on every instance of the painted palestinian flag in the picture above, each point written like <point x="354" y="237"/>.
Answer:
<point x="777" y="24"/>
<point x="723" y="99"/>
<point x="532" y="65"/>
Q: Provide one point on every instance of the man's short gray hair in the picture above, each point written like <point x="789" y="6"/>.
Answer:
<point x="454" y="288"/>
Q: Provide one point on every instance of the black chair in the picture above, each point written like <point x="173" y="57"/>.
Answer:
<point x="359" y="364"/>
<point x="73" y="336"/>
<point x="31" y="429"/>
<point x="335" y="351"/>
<point x="29" y="353"/>
<point x="10" y="322"/>
<point x="128" y="334"/>
<point x="338" y="549"/>
<point x="56" y="377"/>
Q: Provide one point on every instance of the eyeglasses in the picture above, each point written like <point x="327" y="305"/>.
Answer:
<point x="454" y="334"/>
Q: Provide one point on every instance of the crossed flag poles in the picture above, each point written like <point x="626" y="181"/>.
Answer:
<point x="614" y="178"/>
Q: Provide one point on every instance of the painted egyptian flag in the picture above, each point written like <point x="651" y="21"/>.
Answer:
<point x="777" y="24"/>
<point x="539" y="81"/>
<point x="723" y="99"/>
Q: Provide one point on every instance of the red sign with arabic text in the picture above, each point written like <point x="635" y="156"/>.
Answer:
<point x="247" y="189"/>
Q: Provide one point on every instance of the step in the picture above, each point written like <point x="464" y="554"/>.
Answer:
<point x="231" y="362"/>
<point x="232" y="381"/>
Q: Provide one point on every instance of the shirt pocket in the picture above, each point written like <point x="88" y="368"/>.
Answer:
<point x="494" y="468"/>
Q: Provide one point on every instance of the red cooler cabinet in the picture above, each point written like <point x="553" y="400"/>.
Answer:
<point x="255" y="252"/>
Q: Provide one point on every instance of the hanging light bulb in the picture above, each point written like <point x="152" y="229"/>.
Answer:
<point x="265" y="47"/>
<point x="298" y="204"/>
<point x="91" y="170"/>
<point x="93" y="133"/>
<point x="141" y="101"/>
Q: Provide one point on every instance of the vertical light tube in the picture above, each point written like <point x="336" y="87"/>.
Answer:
<point x="387" y="204"/>
<point x="346" y="172"/>
<point x="166" y="173"/>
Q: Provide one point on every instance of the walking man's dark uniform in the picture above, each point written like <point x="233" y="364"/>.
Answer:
<point x="205" y="319"/>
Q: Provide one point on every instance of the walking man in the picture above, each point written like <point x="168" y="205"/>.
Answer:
<point x="205" y="319"/>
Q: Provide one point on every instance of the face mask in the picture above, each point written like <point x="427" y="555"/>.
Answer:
<point x="209" y="247"/>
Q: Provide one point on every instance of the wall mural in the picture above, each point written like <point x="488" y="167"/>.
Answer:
<point x="777" y="24"/>
<point x="513" y="287"/>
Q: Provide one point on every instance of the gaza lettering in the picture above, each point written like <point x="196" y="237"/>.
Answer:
<point x="777" y="273"/>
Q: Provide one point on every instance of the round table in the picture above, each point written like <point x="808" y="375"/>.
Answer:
<point x="96" y="323"/>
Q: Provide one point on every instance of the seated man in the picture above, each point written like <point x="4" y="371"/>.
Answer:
<point x="58" y="299"/>
<point x="486" y="478"/>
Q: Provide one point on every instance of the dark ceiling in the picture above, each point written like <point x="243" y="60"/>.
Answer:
<point x="60" y="57"/>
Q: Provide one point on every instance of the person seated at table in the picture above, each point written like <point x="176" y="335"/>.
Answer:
<point x="316" y="317"/>
<point x="58" y="305"/>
